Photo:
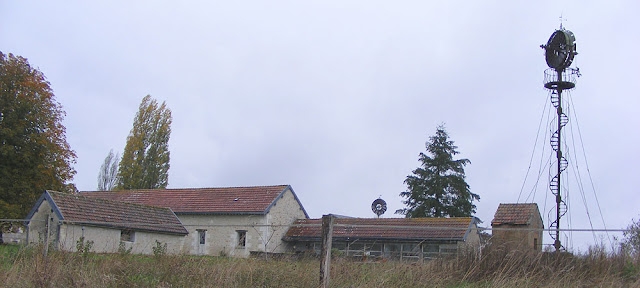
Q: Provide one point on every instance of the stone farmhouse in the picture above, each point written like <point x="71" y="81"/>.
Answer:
<point x="238" y="221"/>
<point x="62" y="219"/>
<point x="519" y="226"/>
<point x="209" y="221"/>
<point x="414" y="239"/>
<point x="224" y="221"/>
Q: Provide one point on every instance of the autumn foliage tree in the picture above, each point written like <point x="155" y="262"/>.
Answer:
<point x="34" y="153"/>
<point x="438" y="188"/>
<point x="145" y="161"/>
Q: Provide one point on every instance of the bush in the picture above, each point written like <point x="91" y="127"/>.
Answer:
<point x="82" y="247"/>
<point x="631" y="241"/>
<point x="160" y="249"/>
<point x="122" y="249"/>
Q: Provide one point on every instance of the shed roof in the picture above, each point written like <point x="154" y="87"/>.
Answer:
<point x="77" y="209"/>
<point x="228" y="200"/>
<point x="515" y="214"/>
<point x="395" y="229"/>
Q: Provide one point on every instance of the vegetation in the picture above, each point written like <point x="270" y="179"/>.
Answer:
<point x="145" y="161"/>
<point x="631" y="242"/>
<point x="84" y="247"/>
<point x="160" y="249"/>
<point x="26" y="267"/>
<point x="33" y="147"/>
<point x="108" y="176"/>
<point x="438" y="188"/>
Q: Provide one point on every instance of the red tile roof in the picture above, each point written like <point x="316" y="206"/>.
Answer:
<point x="232" y="200"/>
<point x="385" y="229"/>
<point x="99" y="212"/>
<point x="515" y="214"/>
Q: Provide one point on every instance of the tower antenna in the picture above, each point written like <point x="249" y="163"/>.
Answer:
<point x="559" y="53"/>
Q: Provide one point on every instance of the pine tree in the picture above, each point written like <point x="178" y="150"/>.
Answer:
<point x="145" y="161"/>
<point x="438" y="188"/>
<point x="34" y="153"/>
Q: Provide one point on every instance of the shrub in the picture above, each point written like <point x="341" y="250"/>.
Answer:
<point x="82" y="247"/>
<point x="122" y="249"/>
<point x="160" y="249"/>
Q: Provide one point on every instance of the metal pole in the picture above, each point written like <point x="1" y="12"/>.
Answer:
<point x="325" y="254"/>
<point x="556" y="244"/>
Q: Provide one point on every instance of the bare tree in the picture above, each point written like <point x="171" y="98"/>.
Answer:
<point x="108" y="177"/>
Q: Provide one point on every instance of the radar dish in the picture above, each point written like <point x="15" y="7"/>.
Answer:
<point x="379" y="206"/>
<point x="560" y="49"/>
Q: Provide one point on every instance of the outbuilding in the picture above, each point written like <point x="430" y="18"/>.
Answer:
<point x="64" y="220"/>
<point x="517" y="226"/>
<point x="413" y="239"/>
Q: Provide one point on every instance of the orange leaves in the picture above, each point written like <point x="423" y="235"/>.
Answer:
<point x="34" y="149"/>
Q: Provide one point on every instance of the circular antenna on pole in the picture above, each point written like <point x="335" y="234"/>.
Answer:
<point x="560" y="49"/>
<point x="379" y="206"/>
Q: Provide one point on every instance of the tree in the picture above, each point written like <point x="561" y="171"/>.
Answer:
<point x="145" y="161"/>
<point x="34" y="152"/>
<point x="438" y="188"/>
<point x="108" y="176"/>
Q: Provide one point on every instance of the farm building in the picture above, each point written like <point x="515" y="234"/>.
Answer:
<point x="62" y="219"/>
<point x="518" y="226"/>
<point x="389" y="238"/>
<point x="224" y="221"/>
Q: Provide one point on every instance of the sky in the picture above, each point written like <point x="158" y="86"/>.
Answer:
<point x="337" y="98"/>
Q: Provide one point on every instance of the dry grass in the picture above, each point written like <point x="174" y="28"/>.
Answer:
<point x="26" y="267"/>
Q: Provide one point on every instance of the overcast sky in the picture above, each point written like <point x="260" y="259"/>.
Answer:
<point x="337" y="98"/>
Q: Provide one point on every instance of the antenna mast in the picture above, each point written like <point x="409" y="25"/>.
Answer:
<point x="559" y="53"/>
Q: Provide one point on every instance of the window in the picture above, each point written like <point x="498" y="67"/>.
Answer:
<point x="242" y="238"/>
<point x="535" y="244"/>
<point x="127" y="235"/>
<point x="202" y="236"/>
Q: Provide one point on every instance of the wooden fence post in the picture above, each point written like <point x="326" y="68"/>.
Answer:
<point x="46" y="239"/>
<point x="325" y="253"/>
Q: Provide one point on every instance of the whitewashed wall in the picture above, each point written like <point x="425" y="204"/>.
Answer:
<point x="222" y="230"/>
<point x="64" y="236"/>
<point x="285" y="211"/>
<point x="107" y="240"/>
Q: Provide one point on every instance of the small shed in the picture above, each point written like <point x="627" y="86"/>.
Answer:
<point x="389" y="238"/>
<point x="63" y="219"/>
<point x="518" y="226"/>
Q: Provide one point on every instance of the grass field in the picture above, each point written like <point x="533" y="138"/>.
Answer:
<point x="26" y="267"/>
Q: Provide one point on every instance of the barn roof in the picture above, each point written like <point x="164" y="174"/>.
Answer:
<point x="77" y="209"/>
<point x="391" y="229"/>
<point x="228" y="200"/>
<point x="515" y="214"/>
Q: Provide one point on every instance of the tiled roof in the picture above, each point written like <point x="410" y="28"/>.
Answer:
<point x="385" y="229"/>
<point x="99" y="212"/>
<point x="515" y="214"/>
<point x="234" y="200"/>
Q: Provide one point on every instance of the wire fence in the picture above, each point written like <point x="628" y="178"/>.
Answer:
<point x="412" y="227"/>
<point x="245" y="239"/>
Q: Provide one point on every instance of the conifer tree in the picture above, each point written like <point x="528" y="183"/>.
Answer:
<point x="438" y="188"/>
<point x="145" y="161"/>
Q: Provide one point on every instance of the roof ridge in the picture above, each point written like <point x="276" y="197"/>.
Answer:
<point x="532" y="203"/>
<point x="192" y="188"/>
<point x="242" y="200"/>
